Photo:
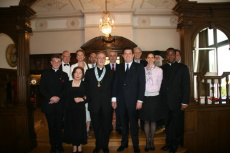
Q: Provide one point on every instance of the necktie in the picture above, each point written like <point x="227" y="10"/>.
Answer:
<point x="66" y="64"/>
<point x="112" y="67"/>
<point x="127" y="69"/>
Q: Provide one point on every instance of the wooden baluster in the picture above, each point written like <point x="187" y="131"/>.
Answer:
<point x="198" y="88"/>
<point x="206" y="92"/>
<point x="212" y="88"/>
<point x="227" y="89"/>
<point x="220" y="88"/>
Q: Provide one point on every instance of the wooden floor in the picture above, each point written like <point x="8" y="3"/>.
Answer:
<point x="43" y="145"/>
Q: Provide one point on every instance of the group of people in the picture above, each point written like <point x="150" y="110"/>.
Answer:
<point x="137" y="89"/>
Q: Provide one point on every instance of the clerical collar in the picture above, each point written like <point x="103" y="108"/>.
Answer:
<point x="171" y="63"/>
<point x="100" y="68"/>
<point x="55" y="69"/>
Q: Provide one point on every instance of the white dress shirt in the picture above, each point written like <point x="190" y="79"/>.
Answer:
<point x="66" y="69"/>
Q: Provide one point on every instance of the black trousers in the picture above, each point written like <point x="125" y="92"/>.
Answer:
<point x="174" y="126"/>
<point x="118" y="121"/>
<point x="55" y="128"/>
<point x="102" y="127"/>
<point x="129" y="118"/>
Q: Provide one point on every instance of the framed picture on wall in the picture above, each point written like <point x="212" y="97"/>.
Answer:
<point x="11" y="55"/>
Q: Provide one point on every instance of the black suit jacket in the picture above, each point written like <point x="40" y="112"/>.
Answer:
<point x="53" y="84"/>
<point x="143" y="62"/>
<point x="99" y="98"/>
<point x="175" y="87"/>
<point x="130" y="87"/>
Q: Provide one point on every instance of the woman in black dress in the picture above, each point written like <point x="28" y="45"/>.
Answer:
<point x="151" y="109"/>
<point x="75" y="116"/>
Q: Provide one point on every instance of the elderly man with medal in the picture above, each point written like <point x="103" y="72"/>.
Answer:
<point x="99" y="93"/>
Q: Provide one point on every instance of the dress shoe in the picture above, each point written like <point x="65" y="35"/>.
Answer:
<point x="152" y="148"/>
<point x="121" y="148"/>
<point x="60" y="150"/>
<point x="118" y="131"/>
<point x="173" y="150"/>
<point x="166" y="147"/>
<point x="137" y="150"/>
<point x="96" y="150"/>
<point x="53" y="150"/>
<point x="146" y="149"/>
<point x="106" y="150"/>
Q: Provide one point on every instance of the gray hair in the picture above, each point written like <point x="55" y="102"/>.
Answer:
<point x="137" y="48"/>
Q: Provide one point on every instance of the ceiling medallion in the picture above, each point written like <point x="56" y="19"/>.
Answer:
<point x="174" y="20"/>
<point x="72" y="23"/>
<point x="41" y="25"/>
<point x="143" y="21"/>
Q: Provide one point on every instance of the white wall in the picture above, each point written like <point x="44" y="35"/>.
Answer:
<point x="156" y="39"/>
<point x="56" y="41"/>
<point x="5" y="41"/>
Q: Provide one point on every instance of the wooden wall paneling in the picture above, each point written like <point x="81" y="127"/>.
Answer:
<point x="15" y="22"/>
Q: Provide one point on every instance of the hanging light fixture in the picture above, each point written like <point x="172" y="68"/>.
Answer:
<point x="106" y="25"/>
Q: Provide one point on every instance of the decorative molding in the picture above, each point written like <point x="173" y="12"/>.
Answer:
<point x="155" y="27"/>
<point x="162" y="3"/>
<point x="72" y="23"/>
<point x="112" y="3"/>
<point x="58" y="30"/>
<point x="41" y="25"/>
<point x="143" y="21"/>
<point x="51" y="4"/>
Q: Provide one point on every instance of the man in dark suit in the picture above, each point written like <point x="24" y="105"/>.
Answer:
<point x="99" y="93"/>
<point x="128" y="95"/>
<point x="137" y="56"/>
<point x="92" y="59"/>
<point x="65" y="64"/>
<point x="175" y="92"/>
<point x="112" y="66"/>
<point x="52" y="86"/>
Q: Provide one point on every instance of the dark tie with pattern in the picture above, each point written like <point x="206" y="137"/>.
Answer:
<point x="112" y="67"/>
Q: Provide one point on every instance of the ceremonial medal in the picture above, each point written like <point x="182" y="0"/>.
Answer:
<point x="99" y="78"/>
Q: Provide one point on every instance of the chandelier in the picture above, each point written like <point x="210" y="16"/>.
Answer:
<point x="106" y="25"/>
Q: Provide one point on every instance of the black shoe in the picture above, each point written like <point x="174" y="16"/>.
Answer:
<point x="96" y="150"/>
<point x="118" y="131"/>
<point x="106" y="150"/>
<point x="146" y="149"/>
<point x="166" y="147"/>
<point x="173" y="150"/>
<point x="152" y="148"/>
<point x="137" y="150"/>
<point x="121" y="148"/>
<point x="53" y="150"/>
<point x="60" y="150"/>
